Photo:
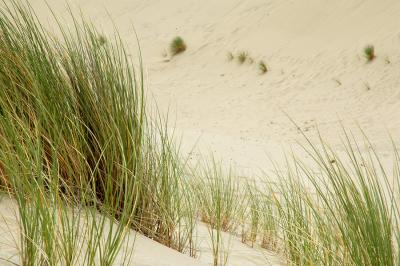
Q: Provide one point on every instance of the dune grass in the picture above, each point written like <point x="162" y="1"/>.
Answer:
<point x="242" y="57"/>
<point x="218" y="193"/>
<point x="369" y="53"/>
<point x="259" y="221"/>
<point x="85" y="164"/>
<point x="262" y="67"/>
<point x="338" y="209"/>
<point x="76" y="142"/>
<point x="253" y="211"/>
<point x="219" y="206"/>
<point x="177" y="46"/>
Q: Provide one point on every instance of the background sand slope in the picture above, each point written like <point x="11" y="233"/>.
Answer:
<point x="318" y="74"/>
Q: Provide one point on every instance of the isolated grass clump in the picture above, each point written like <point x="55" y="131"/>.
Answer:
<point x="369" y="52"/>
<point x="75" y="135"/>
<point x="262" y="67"/>
<point x="177" y="46"/>
<point x="242" y="57"/>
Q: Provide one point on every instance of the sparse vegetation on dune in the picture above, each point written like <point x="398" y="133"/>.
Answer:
<point x="85" y="164"/>
<point x="218" y="193"/>
<point x="177" y="46"/>
<point x="338" y="210"/>
<point x="262" y="67"/>
<point x="242" y="57"/>
<point x="369" y="53"/>
<point x="318" y="212"/>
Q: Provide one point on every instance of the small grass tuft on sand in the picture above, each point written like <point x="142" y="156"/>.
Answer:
<point x="177" y="46"/>
<point x="262" y="67"/>
<point x="242" y="57"/>
<point x="369" y="53"/>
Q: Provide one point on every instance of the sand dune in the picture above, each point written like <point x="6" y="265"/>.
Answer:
<point x="144" y="249"/>
<point x="317" y="73"/>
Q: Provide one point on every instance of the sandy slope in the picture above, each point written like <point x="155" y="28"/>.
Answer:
<point x="318" y="75"/>
<point x="143" y="251"/>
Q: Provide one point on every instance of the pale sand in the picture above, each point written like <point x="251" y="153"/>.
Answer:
<point x="314" y="49"/>
<point x="143" y="250"/>
<point x="308" y="45"/>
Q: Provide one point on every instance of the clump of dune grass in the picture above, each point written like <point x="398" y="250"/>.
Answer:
<point x="217" y="192"/>
<point x="296" y="222"/>
<point x="360" y="201"/>
<point x="63" y="157"/>
<point x="262" y="67"/>
<point x="268" y="224"/>
<point x="369" y="52"/>
<point x="260" y="216"/>
<point x="218" y="206"/>
<point x="254" y="213"/>
<point x="339" y="210"/>
<point x="242" y="57"/>
<point x="177" y="46"/>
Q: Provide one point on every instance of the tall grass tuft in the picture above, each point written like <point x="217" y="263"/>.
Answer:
<point x="355" y="193"/>
<point x="220" y="206"/>
<point x="340" y="209"/>
<point x="254" y="213"/>
<point x="76" y="143"/>
<point x="261" y="216"/>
